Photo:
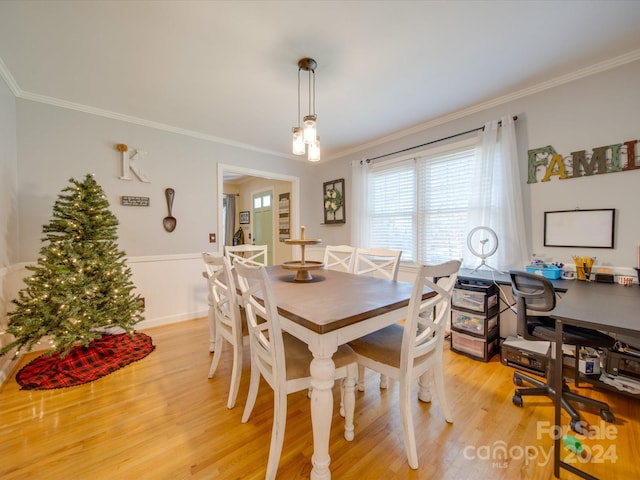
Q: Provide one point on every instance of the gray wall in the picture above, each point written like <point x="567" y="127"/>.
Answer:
<point x="8" y="210"/>
<point x="597" y="110"/>
<point x="8" y="178"/>
<point x="54" y="144"/>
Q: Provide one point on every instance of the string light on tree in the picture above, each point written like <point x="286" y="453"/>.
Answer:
<point x="80" y="282"/>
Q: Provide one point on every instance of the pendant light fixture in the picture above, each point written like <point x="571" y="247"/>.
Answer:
<point x="307" y="135"/>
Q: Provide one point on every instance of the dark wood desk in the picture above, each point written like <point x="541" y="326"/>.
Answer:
<point x="608" y="307"/>
<point x="484" y="275"/>
<point x="333" y="309"/>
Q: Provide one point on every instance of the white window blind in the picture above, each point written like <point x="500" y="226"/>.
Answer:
<point x="445" y="187"/>
<point x="392" y="208"/>
<point x="421" y="205"/>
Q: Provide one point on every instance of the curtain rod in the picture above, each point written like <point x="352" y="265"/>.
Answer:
<point x="515" y="117"/>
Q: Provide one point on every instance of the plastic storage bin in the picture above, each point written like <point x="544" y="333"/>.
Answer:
<point x="476" y="297"/>
<point x="547" y="271"/>
<point x="474" y="324"/>
<point x="474" y="347"/>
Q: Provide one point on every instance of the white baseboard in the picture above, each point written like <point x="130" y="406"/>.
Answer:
<point x="168" y="320"/>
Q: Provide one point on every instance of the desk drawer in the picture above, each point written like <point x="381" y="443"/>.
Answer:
<point x="476" y="348"/>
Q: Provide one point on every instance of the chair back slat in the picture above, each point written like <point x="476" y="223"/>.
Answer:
<point x="248" y="254"/>
<point x="339" y="257"/>
<point x="377" y="262"/>
<point x="265" y="334"/>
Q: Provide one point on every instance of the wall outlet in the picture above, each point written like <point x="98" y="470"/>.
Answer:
<point x="212" y="238"/>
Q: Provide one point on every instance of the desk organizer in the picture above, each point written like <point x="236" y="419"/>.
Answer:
<point x="547" y="271"/>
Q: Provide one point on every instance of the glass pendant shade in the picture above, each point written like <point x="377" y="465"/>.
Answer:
<point x="298" y="141"/>
<point x="310" y="132"/>
<point x="314" y="151"/>
<point x="305" y="137"/>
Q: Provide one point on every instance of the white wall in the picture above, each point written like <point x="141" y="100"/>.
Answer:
<point x="56" y="144"/>
<point x="8" y="178"/>
<point x="8" y="210"/>
<point x="601" y="109"/>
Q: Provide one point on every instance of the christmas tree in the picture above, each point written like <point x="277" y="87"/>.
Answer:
<point x="80" y="285"/>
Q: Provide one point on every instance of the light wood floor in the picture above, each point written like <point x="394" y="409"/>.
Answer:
<point x="161" y="418"/>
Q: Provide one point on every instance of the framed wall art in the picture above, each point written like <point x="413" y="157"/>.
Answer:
<point x="333" y="201"/>
<point x="244" y="217"/>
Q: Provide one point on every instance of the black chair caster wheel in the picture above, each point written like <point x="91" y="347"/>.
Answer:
<point x="517" y="400"/>
<point x="578" y="426"/>
<point x="607" y="416"/>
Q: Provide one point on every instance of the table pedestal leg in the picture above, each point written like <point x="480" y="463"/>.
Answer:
<point x="322" y="379"/>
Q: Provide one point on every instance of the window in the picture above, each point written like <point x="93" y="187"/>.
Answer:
<point x="392" y="208"/>
<point x="262" y="201"/>
<point x="421" y="205"/>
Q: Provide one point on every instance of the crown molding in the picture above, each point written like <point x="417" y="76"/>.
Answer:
<point x="614" y="62"/>
<point x="561" y="80"/>
<point x="9" y="80"/>
<point x="34" y="97"/>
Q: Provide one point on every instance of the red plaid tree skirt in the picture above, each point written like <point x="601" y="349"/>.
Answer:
<point x="84" y="364"/>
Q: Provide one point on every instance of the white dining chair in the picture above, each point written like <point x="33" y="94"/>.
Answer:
<point x="229" y="325"/>
<point x="283" y="360"/>
<point x="249" y="254"/>
<point x="407" y="353"/>
<point x="339" y="257"/>
<point x="377" y="262"/>
<point x="211" y="313"/>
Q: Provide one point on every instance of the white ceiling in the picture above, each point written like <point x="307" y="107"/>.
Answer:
<point x="227" y="70"/>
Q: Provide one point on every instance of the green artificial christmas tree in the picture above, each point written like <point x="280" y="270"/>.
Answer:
<point x="80" y="285"/>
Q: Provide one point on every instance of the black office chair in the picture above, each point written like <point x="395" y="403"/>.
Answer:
<point x="536" y="293"/>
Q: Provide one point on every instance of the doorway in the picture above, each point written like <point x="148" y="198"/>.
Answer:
<point x="279" y="251"/>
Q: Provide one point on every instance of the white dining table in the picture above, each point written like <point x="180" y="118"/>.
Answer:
<point x="330" y="310"/>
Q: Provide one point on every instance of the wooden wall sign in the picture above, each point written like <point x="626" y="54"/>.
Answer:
<point x="284" y="232"/>
<point x="129" y="201"/>
<point x="619" y="157"/>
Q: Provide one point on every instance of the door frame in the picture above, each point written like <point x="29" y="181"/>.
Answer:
<point x="294" y="208"/>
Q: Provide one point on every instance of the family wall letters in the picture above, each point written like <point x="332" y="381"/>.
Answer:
<point x="619" y="157"/>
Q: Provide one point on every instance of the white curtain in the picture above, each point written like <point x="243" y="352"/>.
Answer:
<point x="359" y="182"/>
<point x="497" y="196"/>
